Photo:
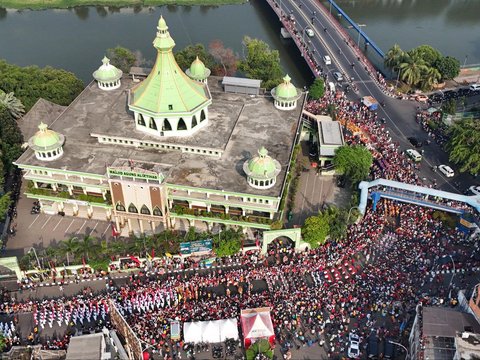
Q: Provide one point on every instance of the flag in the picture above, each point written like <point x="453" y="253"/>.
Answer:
<point x="153" y="253"/>
<point x="135" y="260"/>
<point x="115" y="233"/>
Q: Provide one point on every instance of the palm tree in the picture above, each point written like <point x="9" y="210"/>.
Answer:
<point x="430" y="77"/>
<point x="12" y="104"/>
<point x="394" y="57"/>
<point x="69" y="247"/>
<point x="117" y="248"/>
<point x="87" y="246"/>
<point x="411" y="70"/>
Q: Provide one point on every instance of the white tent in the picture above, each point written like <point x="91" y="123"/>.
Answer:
<point x="210" y="331"/>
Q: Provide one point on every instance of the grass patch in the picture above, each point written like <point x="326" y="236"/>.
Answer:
<point x="64" y="4"/>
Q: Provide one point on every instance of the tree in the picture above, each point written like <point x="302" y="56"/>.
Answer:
<point x="69" y="247"/>
<point x="3" y="342"/>
<point x="261" y="63"/>
<point x="427" y="53"/>
<point x="225" y="57"/>
<point x="5" y="202"/>
<point x="186" y="56"/>
<point x="464" y="145"/>
<point x="337" y="222"/>
<point x="353" y="161"/>
<point x="448" y="66"/>
<point x="316" y="229"/>
<point x="10" y="139"/>
<point x="122" y="58"/>
<point x="393" y="57"/>
<point x="259" y="348"/>
<point x="317" y="89"/>
<point x="86" y="246"/>
<point x="430" y="77"/>
<point x="411" y="69"/>
<point x="227" y="247"/>
<point x="13" y="105"/>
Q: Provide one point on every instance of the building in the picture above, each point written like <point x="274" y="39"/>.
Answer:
<point x="160" y="148"/>
<point x="98" y="346"/>
<point x="467" y="346"/>
<point x="434" y="332"/>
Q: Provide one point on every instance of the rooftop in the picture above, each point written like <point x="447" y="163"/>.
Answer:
<point x="237" y="125"/>
<point x="85" y="347"/>
<point x="43" y="110"/>
<point x="330" y="135"/>
<point x="229" y="80"/>
<point x="467" y="345"/>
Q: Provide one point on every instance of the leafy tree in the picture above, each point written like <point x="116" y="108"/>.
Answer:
<point x="3" y="342"/>
<point x="186" y="56"/>
<point x="5" y="202"/>
<point x="427" y="53"/>
<point x="430" y="77"/>
<point x="464" y="145"/>
<point x="10" y="139"/>
<point x="225" y="57"/>
<point x="227" y="247"/>
<point x="31" y="83"/>
<point x="337" y="222"/>
<point x="69" y="247"/>
<point x="86" y="247"/>
<point x="260" y="347"/>
<point x="353" y="161"/>
<point x="448" y="66"/>
<point x="450" y="107"/>
<point x="13" y="105"/>
<point x="316" y="229"/>
<point x="411" y="69"/>
<point x="317" y="89"/>
<point x="393" y="57"/>
<point x="122" y="58"/>
<point x="261" y="63"/>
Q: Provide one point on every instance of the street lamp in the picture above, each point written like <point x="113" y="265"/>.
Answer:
<point x="407" y="356"/>
<point x="465" y="61"/>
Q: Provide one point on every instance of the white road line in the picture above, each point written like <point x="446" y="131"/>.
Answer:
<point x="46" y="222"/>
<point x="93" y="228"/>
<point x="33" y="222"/>
<point x="57" y="224"/>
<point x="69" y="226"/>
<point x="81" y="227"/>
<point x="108" y="227"/>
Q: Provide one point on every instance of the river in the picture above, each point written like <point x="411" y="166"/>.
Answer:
<point x="76" y="39"/>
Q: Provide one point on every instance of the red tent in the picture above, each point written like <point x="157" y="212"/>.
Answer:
<point x="257" y="324"/>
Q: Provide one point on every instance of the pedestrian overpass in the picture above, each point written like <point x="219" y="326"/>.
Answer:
<point x="413" y="194"/>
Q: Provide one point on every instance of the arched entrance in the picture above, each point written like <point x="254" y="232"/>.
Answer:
<point x="281" y="242"/>
<point x="293" y="234"/>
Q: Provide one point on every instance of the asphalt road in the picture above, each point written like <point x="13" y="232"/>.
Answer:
<point x="399" y="114"/>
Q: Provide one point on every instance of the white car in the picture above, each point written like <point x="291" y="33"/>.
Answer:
<point x="338" y="76"/>
<point x="309" y="32"/>
<point x="446" y="170"/>
<point x="474" y="87"/>
<point x="474" y="189"/>
<point x="327" y="60"/>
<point x="353" y="346"/>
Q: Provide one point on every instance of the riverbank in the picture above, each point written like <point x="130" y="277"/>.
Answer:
<point x="64" y="4"/>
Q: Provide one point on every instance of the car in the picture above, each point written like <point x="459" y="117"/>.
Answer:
<point x="474" y="87"/>
<point x="327" y="60"/>
<point x="421" y="98"/>
<point x="338" y="76"/>
<point x="446" y="170"/>
<point x="414" y="155"/>
<point x="353" y="346"/>
<point x="309" y="32"/>
<point x="313" y="150"/>
<point x="474" y="189"/>
<point x="415" y="142"/>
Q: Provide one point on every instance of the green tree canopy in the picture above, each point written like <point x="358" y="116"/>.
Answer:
<point x="412" y="68"/>
<point x="10" y="139"/>
<point x="5" y="202"/>
<point x="464" y="145"/>
<point x="186" y="56"/>
<point x="121" y="58"/>
<point x="315" y="229"/>
<point x="261" y="63"/>
<point x="354" y="162"/>
<point x="317" y="89"/>
<point x="393" y="57"/>
<point x="428" y="54"/>
<point x="13" y="105"/>
<point x="260" y="347"/>
<point x="448" y="66"/>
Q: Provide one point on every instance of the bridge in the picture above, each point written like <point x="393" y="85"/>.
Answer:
<point x="413" y="194"/>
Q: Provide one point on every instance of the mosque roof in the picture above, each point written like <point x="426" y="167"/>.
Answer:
<point x="107" y="72"/>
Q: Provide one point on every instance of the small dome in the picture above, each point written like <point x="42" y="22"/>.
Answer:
<point x="162" y="24"/>
<point x="107" y="72"/>
<point x="262" y="166"/>
<point x="197" y="70"/>
<point x="45" y="139"/>
<point x="286" y="89"/>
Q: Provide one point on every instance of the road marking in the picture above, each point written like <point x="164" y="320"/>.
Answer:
<point x="81" y="227"/>
<point x="106" y="229"/>
<point x="46" y="222"/>
<point x="57" y="224"/>
<point x="33" y="222"/>
<point x="93" y="228"/>
<point x="69" y="226"/>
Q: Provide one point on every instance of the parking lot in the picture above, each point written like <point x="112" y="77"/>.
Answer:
<point x="41" y="230"/>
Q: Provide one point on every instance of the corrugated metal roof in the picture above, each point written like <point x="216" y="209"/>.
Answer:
<point x="229" y="80"/>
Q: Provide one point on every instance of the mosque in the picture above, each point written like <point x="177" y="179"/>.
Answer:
<point x="164" y="148"/>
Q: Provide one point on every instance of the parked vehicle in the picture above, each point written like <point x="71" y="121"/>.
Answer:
<point x="309" y="32"/>
<point x="353" y="346"/>
<point x="474" y="87"/>
<point x="415" y="142"/>
<point x="446" y="170"/>
<point x="327" y="60"/>
<point x="338" y="76"/>
<point x="414" y="155"/>
<point x="370" y="102"/>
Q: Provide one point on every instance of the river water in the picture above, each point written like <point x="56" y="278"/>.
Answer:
<point x="76" y="39"/>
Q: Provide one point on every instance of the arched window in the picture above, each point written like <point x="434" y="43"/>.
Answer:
<point x="181" y="125"/>
<point x="157" y="211"/>
<point x="152" y="124"/>
<point x="194" y="121"/>
<point x="141" y="120"/>
<point x="132" y="208"/>
<point x="166" y="125"/>
<point x="145" y="210"/>
<point x="120" y="207"/>
<point x="202" y="116"/>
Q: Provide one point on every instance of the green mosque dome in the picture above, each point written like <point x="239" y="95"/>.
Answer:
<point x="286" y="89"/>
<point x="262" y="166"/>
<point x="107" y="72"/>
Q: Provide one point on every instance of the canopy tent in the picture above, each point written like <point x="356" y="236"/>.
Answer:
<point x="257" y="324"/>
<point x="210" y="331"/>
